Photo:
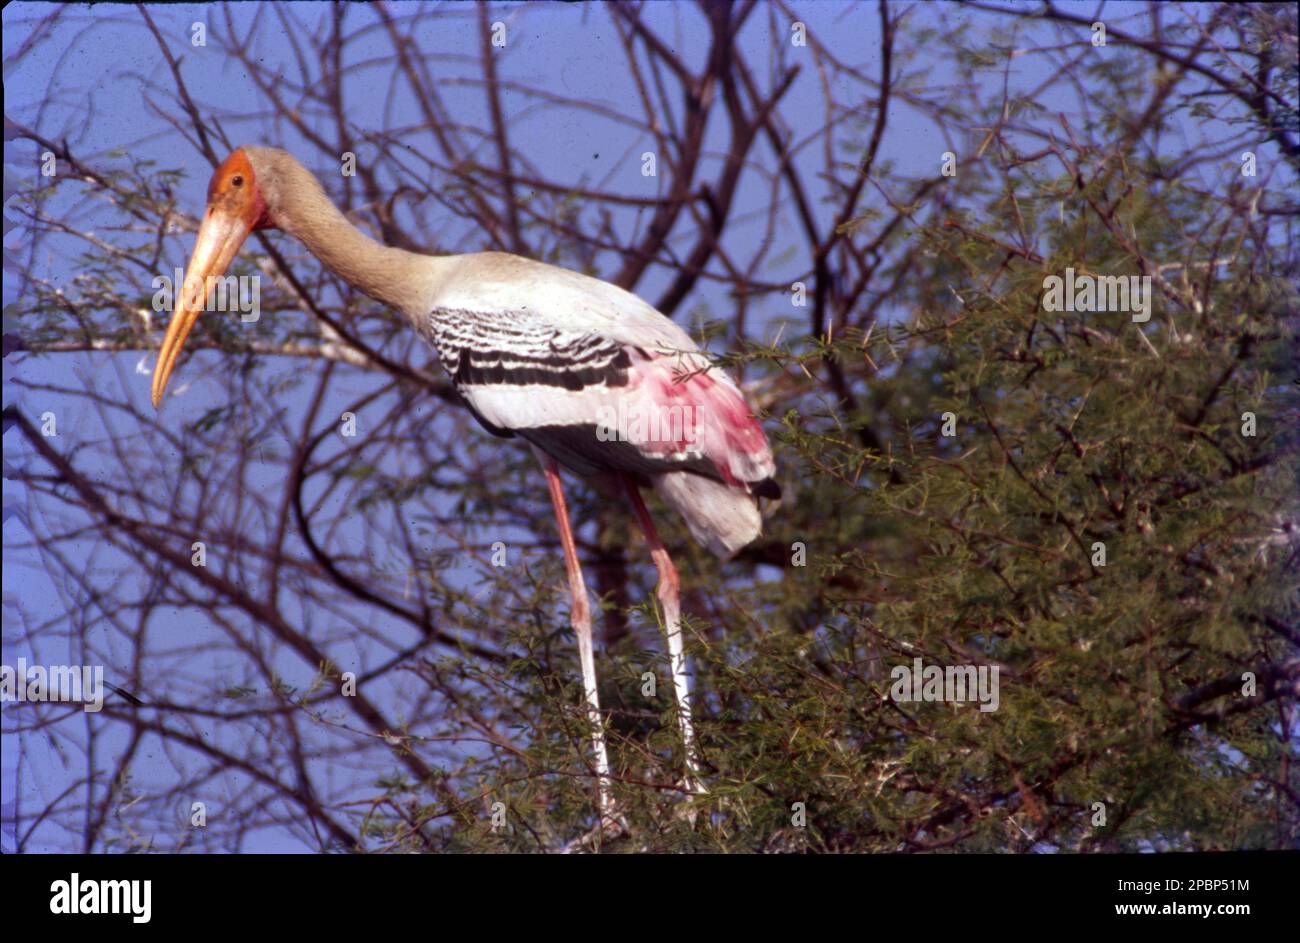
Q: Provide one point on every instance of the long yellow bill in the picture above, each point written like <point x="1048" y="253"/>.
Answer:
<point x="219" y="240"/>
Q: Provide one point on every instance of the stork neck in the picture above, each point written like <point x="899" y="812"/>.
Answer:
<point x="392" y="276"/>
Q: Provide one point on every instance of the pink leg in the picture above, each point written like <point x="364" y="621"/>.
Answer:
<point x="669" y="597"/>
<point x="580" y="618"/>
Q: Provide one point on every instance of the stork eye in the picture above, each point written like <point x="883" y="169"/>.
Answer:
<point x="236" y="181"/>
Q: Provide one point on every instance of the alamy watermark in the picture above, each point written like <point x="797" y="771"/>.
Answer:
<point x="955" y="683"/>
<point x="676" y="425"/>
<point x="69" y="684"/>
<point x="242" y="293"/>
<point x="1099" y="293"/>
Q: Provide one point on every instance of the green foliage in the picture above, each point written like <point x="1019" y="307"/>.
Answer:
<point x="1072" y="433"/>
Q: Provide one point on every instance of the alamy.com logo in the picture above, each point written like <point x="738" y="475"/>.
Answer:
<point x="69" y="684"/>
<point x="77" y="896"/>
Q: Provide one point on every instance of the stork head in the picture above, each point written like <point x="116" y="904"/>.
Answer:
<point x="236" y="206"/>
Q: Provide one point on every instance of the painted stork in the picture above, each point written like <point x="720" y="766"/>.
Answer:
<point x="594" y="379"/>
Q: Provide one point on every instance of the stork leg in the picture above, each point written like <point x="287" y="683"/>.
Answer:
<point x="668" y="592"/>
<point x="580" y="617"/>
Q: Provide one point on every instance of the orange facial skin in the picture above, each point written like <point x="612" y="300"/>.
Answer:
<point x="233" y="191"/>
